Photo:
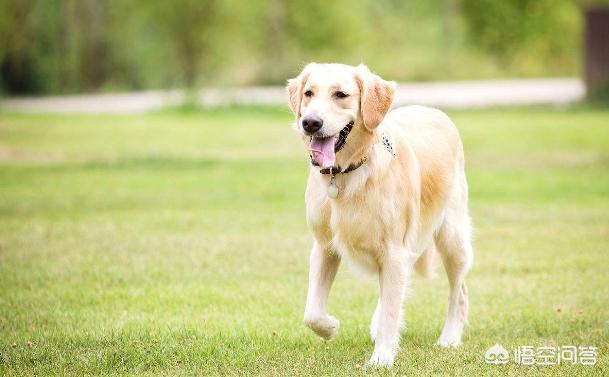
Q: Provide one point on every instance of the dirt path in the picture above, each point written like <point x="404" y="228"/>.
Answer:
<point x="456" y="95"/>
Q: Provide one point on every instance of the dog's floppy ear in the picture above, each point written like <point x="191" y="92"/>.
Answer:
<point x="376" y="96"/>
<point x="295" y="87"/>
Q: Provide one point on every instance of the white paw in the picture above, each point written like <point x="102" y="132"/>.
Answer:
<point x="382" y="358"/>
<point x="326" y="327"/>
<point x="450" y="340"/>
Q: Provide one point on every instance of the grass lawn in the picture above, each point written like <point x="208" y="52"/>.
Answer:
<point x="175" y="244"/>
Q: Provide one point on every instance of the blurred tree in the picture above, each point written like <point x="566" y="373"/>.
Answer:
<point x="83" y="46"/>
<point x="294" y="32"/>
<point x="511" y="30"/>
<point x="449" y="13"/>
<point x="51" y="46"/>
<point x="20" y="46"/>
<point x="274" y="35"/>
<point x="188" y="24"/>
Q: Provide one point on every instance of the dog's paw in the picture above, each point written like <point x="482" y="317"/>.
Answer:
<point x="326" y="327"/>
<point x="382" y="358"/>
<point x="449" y="341"/>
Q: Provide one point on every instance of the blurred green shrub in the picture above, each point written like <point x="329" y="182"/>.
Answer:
<point x="63" y="46"/>
<point x="526" y="35"/>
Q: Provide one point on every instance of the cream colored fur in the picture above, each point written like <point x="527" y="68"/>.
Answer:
<point x="391" y="209"/>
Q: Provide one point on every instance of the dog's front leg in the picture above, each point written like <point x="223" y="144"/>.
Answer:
<point x="322" y="270"/>
<point x="392" y="279"/>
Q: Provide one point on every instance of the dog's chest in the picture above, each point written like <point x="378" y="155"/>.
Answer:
<point x="358" y="228"/>
<point x="356" y="238"/>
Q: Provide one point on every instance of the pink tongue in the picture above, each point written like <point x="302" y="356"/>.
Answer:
<point x="323" y="151"/>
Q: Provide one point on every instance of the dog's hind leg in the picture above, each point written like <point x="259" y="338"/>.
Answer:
<point x="453" y="242"/>
<point x="322" y="270"/>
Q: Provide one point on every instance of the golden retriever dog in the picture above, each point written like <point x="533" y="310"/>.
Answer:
<point x="386" y="189"/>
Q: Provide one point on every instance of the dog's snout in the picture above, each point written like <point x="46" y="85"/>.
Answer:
<point x="312" y="123"/>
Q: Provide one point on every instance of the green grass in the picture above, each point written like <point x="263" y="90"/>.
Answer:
<point x="176" y="244"/>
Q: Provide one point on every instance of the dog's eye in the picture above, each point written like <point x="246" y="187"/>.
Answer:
<point x="340" y="94"/>
<point x="308" y="93"/>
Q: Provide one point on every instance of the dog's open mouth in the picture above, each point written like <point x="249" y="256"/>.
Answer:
<point x="322" y="151"/>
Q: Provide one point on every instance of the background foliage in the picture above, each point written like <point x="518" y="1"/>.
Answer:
<point x="49" y="46"/>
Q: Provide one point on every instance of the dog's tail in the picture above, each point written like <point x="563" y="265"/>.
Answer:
<point x="425" y="265"/>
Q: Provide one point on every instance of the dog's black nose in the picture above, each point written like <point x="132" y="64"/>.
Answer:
<point x="312" y="123"/>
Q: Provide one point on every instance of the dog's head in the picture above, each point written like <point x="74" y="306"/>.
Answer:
<point x="325" y="98"/>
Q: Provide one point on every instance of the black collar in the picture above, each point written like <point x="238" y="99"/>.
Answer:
<point x="336" y="169"/>
<point x="342" y="137"/>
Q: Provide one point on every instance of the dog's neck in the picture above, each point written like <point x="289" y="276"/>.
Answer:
<point x="364" y="149"/>
<point x="357" y="146"/>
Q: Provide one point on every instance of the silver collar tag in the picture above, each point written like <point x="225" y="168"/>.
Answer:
<point x="332" y="188"/>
